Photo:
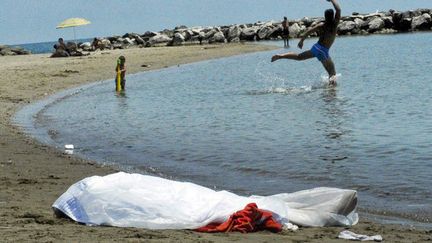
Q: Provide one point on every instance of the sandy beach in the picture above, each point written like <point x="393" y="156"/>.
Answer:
<point x="33" y="176"/>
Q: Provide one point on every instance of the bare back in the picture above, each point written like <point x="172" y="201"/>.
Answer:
<point x="327" y="34"/>
<point x="285" y="24"/>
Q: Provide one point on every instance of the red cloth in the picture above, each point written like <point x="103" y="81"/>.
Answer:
<point x="250" y="219"/>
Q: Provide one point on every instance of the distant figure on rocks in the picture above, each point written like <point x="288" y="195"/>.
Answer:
<point x="61" y="44"/>
<point x="101" y="44"/>
<point x="66" y="50"/>
<point x="327" y="35"/>
<point x="60" y="49"/>
<point x="285" y="32"/>
<point x="121" y="67"/>
<point x="96" y="44"/>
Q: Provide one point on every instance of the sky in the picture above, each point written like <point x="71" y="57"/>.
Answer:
<point x="31" y="21"/>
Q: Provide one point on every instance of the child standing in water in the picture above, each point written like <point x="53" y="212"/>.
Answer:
<point x="121" y="67"/>
<point x="327" y="35"/>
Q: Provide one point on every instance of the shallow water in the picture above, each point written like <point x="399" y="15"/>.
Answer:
<point x="254" y="127"/>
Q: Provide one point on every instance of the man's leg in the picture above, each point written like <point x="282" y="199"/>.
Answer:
<point x="331" y="70"/>
<point x="293" y="56"/>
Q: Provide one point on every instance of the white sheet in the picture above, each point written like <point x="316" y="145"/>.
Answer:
<point x="135" y="200"/>
<point x="348" y="235"/>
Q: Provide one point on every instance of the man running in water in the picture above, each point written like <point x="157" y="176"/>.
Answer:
<point x="327" y="35"/>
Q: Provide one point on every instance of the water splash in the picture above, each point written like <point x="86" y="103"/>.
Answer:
<point x="326" y="78"/>
<point x="274" y="84"/>
<point x="265" y="75"/>
<point x="281" y="90"/>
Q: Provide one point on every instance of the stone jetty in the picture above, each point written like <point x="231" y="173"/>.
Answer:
<point x="12" y="51"/>
<point x="356" y="24"/>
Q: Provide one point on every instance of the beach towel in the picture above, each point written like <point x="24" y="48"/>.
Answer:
<point x="143" y="201"/>
<point x="250" y="219"/>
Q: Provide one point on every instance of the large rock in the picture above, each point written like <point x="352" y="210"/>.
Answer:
<point x="401" y="21"/>
<point x="249" y="33"/>
<point x="233" y="32"/>
<point x="388" y="22"/>
<point x="139" y="40"/>
<point x="119" y="40"/>
<point x="376" y="24"/>
<point x="149" y="34"/>
<point x="207" y="29"/>
<point x="128" y="41"/>
<point x="277" y="32"/>
<point x="294" y="30"/>
<point x="347" y="26"/>
<point x="187" y="34"/>
<point x="178" y="39"/>
<point x="196" y="30"/>
<point x="424" y="10"/>
<point x="105" y="43"/>
<point x="409" y="14"/>
<point x="20" y="51"/>
<point x="416" y="13"/>
<point x="86" y="46"/>
<point x="361" y="24"/>
<point x="265" y="32"/>
<point x="130" y="35"/>
<point x="159" y="39"/>
<point x="7" y="52"/>
<point x="210" y="33"/>
<point x="307" y="21"/>
<point x="113" y="39"/>
<point x="3" y="47"/>
<point x="167" y="32"/>
<point x="422" y="22"/>
<point x="225" y="30"/>
<point x="218" y="37"/>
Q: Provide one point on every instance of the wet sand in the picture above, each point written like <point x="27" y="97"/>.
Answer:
<point x="33" y="176"/>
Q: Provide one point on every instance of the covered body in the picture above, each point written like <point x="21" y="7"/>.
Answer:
<point x="135" y="200"/>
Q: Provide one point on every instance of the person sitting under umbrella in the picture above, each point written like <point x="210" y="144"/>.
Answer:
<point x="60" y="49"/>
<point x="63" y="49"/>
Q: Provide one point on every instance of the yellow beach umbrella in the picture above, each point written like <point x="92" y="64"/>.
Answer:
<point x="73" y="22"/>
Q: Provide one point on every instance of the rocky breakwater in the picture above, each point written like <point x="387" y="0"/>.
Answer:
<point x="386" y="22"/>
<point x="356" y="24"/>
<point x="12" y="51"/>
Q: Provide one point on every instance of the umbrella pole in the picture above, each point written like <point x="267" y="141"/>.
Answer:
<point x="74" y="34"/>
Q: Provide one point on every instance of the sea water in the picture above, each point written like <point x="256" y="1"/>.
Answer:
<point x="249" y="126"/>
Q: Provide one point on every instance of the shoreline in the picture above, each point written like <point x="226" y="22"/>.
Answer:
<point x="34" y="175"/>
